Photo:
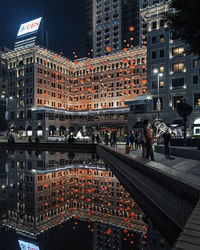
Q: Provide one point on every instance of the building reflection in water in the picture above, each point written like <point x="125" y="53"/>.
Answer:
<point x="47" y="189"/>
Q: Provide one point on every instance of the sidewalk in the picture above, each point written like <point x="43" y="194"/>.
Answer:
<point x="187" y="170"/>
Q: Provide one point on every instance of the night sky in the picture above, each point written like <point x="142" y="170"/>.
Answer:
<point x="64" y="20"/>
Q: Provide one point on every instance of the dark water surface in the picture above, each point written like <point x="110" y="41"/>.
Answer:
<point x="66" y="200"/>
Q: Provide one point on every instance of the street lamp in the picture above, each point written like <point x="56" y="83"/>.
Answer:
<point x="6" y="99"/>
<point x="158" y="80"/>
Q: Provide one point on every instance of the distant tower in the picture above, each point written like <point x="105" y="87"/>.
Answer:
<point x="111" y="25"/>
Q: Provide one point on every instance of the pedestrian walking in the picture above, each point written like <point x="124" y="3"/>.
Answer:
<point x="115" y="139"/>
<point x="149" y="140"/>
<point x="97" y="138"/>
<point x="111" y="140"/>
<point x="167" y="137"/>
<point x="136" y="140"/>
<point x="132" y="140"/>
<point x="106" y="138"/>
<point x="127" y="149"/>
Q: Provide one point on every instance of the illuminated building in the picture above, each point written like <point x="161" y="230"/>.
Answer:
<point x="179" y="74"/>
<point x="44" y="196"/>
<point x="52" y="95"/>
<point x="111" y="26"/>
<point x="3" y="83"/>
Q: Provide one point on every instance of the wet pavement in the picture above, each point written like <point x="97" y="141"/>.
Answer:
<point x="186" y="169"/>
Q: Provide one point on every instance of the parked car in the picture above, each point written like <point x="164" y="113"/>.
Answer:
<point x="56" y="138"/>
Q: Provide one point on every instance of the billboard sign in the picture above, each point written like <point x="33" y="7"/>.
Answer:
<point x="29" y="27"/>
<point x="27" y="246"/>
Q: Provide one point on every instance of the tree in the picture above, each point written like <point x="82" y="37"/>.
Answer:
<point x="184" y="21"/>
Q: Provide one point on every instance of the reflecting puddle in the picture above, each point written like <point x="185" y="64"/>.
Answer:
<point x="53" y="200"/>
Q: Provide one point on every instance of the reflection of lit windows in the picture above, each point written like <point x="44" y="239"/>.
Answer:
<point x="177" y="51"/>
<point x="178" y="66"/>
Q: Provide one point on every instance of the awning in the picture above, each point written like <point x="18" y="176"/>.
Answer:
<point x="141" y="99"/>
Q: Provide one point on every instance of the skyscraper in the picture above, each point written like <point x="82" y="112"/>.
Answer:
<point x="111" y="25"/>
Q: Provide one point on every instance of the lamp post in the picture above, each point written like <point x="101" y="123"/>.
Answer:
<point x="158" y="86"/>
<point x="7" y="102"/>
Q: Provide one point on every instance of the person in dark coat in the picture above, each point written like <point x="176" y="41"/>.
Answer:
<point x="149" y="140"/>
<point x="167" y="138"/>
<point x="106" y="138"/>
<point x="114" y="139"/>
<point x="97" y="138"/>
<point x="132" y="139"/>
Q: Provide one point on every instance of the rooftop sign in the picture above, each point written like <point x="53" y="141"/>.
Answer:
<point x="29" y="27"/>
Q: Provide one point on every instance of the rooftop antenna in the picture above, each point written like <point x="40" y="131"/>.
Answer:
<point x="42" y="29"/>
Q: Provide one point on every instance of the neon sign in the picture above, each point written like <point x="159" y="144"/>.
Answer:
<point x="29" y="27"/>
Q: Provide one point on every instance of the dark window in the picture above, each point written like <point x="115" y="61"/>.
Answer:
<point x="154" y="84"/>
<point x="40" y="116"/>
<point x="162" y="53"/>
<point x="12" y="115"/>
<point x="177" y="99"/>
<point x="195" y="79"/>
<point x="153" y="39"/>
<point x="154" y="25"/>
<point x="21" y="114"/>
<point x="177" y="82"/>
<point x="153" y="54"/>
<point x="29" y="114"/>
<point x="162" y="23"/>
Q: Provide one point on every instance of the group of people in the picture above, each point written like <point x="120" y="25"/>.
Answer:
<point x="146" y="140"/>
<point x="112" y="139"/>
<point x="108" y="139"/>
<point x="135" y="141"/>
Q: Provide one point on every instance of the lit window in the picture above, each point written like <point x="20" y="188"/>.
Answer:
<point x="178" y="51"/>
<point x="162" y="38"/>
<point x="196" y="100"/>
<point x="162" y="84"/>
<point x="195" y="63"/>
<point x="178" y="66"/>
<point x="162" y="68"/>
